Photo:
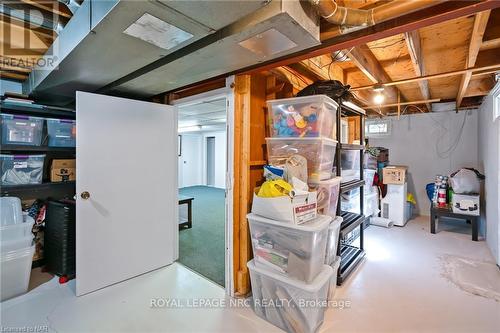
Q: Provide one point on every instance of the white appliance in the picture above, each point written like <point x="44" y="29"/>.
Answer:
<point x="394" y="204"/>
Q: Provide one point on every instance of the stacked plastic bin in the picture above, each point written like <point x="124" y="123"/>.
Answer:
<point x="16" y="248"/>
<point x="295" y="262"/>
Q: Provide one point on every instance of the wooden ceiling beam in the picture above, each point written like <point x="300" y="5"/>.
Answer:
<point x="56" y="7"/>
<point x="425" y="101"/>
<point x="10" y="68"/>
<point x="366" y="61"/>
<point x="412" y="39"/>
<point x="480" y="22"/>
<point x="39" y="31"/>
<point x="12" y="76"/>
<point x="287" y="75"/>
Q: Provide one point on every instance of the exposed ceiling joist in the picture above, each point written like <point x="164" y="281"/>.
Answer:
<point x="366" y="61"/>
<point x="38" y="30"/>
<point x="425" y="101"/>
<point x="415" y="50"/>
<point x="21" y="70"/>
<point x="480" y="22"/>
<point x="53" y="7"/>
<point x="287" y="75"/>
<point x="479" y="69"/>
<point x="12" y="76"/>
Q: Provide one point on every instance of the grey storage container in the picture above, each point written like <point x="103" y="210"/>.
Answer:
<point x="62" y="132"/>
<point x="21" y="169"/>
<point x="21" y="130"/>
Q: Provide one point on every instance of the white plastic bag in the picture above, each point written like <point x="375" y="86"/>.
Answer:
<point x="465" y="181"/>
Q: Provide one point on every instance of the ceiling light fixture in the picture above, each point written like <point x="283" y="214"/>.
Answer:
<point x="378" y="99"/>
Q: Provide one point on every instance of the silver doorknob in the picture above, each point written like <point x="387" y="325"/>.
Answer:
<point x="85" y="195"/>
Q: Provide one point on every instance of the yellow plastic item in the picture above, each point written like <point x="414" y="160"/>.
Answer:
<point x="274" y="188"/>
<point x="411" y="198"/>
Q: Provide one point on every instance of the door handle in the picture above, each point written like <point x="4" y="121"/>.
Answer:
<point x="85" y="195"/>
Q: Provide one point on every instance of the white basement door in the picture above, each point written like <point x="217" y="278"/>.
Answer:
<point x="126" y="183"/>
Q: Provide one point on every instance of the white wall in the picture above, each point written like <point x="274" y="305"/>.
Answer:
<point x="489" y="159"/>
<point x="193" y="162"/>
<point x="419" y="141"/>
<point x="220" y="157"/>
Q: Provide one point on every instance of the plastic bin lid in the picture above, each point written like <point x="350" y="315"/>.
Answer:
<point x="325" y="141"/>
<point x="337" y="221"/>
<point x="331" y="181"/>
<point x="303" y="99"/>
<point x="319" y="223"/>
<point x="319" y="281"/>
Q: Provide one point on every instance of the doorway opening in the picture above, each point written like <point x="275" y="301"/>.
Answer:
<point x="203" y="170"/>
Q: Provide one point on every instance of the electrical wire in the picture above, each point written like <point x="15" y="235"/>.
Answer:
<point x="446" y="153"/>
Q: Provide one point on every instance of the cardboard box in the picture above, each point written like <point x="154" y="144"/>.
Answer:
<point x="63" y="170"/>
<point x="59" y="163"/>
<point x="62" y="175"/>
<point x="296" y="210"/>
<point x="394" y="174"/>
<point x="467" y="204"/>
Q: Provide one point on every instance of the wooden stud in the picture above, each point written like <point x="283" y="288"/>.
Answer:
<point x="480" y="22"/>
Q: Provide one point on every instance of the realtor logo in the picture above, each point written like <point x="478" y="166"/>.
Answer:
<point x="29" y="34"/>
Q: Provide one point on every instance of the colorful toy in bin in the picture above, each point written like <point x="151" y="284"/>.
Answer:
<point x="307" y="116"/>
<point x="296" y="123"/>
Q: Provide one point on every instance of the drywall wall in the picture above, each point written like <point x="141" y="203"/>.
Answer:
<point x="489" y="164"/>
<point x="420" y="141"/>
<point x="191" y="160"/>
<point x="220" y="157"/>
<point x="10" y="86"/>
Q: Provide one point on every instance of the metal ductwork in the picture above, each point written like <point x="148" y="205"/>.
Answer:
<point x="108" y="39"/>
<point x="105" y="48"/>
<point x="344" y="16"/>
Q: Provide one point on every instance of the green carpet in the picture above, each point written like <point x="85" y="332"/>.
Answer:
<point x="202" y="247"/>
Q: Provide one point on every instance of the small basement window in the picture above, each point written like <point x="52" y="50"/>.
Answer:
<point x="377" y="127"/>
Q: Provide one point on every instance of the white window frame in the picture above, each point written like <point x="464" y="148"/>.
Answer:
<point x="374" y="121"/>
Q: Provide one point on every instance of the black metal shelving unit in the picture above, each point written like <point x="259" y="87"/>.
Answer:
<point x="352" y="226"/>
<point x="46" y="190"/>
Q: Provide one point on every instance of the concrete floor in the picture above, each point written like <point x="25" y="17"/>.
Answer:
<point x="399" y="287"/>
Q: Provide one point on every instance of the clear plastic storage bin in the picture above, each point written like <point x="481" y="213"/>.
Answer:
<point x="308" y="116"/>
<point x="21" y="169"/>
<point x="62" y="132"/>
<point x="15" y="271"/>
<point x="18" y="230"/>
<point x="320" y="154"/>
<point x="21" y="130"/>
<point x="333" y="281"/>
<point x="328" y="195"/>
<point x="11" y="211"/>
<point x="333" y="240"/>
<point x="298" y="306"/>
<point x="369" y="175"/>
<point x="350" y="165"/>
<point x="297" y="251"/>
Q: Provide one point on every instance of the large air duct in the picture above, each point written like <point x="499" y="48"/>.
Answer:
<point x="352" y="17"/>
